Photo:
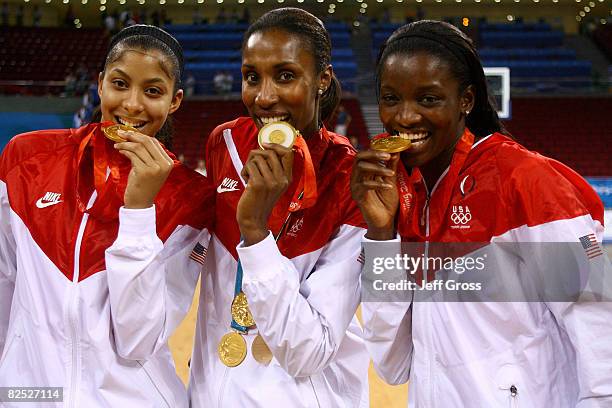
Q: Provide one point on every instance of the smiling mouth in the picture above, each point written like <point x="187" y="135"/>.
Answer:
<point x="273" y="119"/>
<point x="131" y="122"/>
<point x="414" y="137"/>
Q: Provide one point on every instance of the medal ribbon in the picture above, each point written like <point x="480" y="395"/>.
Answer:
<point x="305" y="194"/>
<point x="100" y="160"/>
<point x="408" y="223"/>
<point x="238" y="285"/>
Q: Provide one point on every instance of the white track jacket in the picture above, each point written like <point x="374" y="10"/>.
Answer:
<point x="499" y="354"/>
<point x="64" y="320"/>
<point x="303" y="291"/>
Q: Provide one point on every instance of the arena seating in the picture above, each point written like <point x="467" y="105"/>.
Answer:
<point x="213" y="48"/>
<point x="535" y="55"/>
<point x="49" y="54"/>
<point x="603" y="38"/>
<point x="569" y="129"/>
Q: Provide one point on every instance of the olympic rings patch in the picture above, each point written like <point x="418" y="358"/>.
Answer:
<point x="461" y="215"/>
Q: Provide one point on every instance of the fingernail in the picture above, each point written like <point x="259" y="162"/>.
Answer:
<point x="385" y="156"/>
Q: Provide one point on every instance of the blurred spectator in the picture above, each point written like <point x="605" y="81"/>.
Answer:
<point x="142" y="16"/>
<point x="223" y="82"/>
<point x="234" y="17"/>
<point x="201" y="168"/>
<point x="110" y="24"/>
<point x="5" y="14"/>
<point x="82" y="78"/>
<point x="36" y="16"/>
<point x="124" y="17"/>
<point x="342" y="121"/>
<point x="19" y="16"/>
<point x="221" y="17"/>
<point x="69" y="17"/>
<point x="246" y="16"/>
<point x="79" y="118"/>
<point x="136" y="16"/>
<point x="420" y="13"/>
<point x="189" y="85"/>
<point x="155" y="18"/>
<point x="165" y="20"/>
<point x="197" y="16"/>
<point x="70" y="82"/>
<point x="386" y="17"/>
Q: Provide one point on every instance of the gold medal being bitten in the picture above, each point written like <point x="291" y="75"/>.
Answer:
<point x="281" y="133"/>
<point x="260" y="350"/>
<point x="111" y="132"/>
<point x="391" y="144"/>
<point x="240" y="311"/>
<point x="232" y="349"/>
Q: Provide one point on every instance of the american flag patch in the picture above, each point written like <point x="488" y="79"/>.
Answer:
<point x="361" y="257"/>
<point x="591" y="246"/>
<point x="198" y="253"/>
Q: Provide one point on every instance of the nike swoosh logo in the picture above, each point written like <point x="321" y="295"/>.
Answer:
<point x="41" y="204"/>
<point x="225" y="189"/>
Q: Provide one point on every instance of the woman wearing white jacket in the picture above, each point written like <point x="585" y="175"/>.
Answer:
<point x="288" y="217"/>
<point x="463" y="180"/>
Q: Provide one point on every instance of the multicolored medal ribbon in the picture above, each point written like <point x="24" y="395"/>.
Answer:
<point x="232" y="348"/>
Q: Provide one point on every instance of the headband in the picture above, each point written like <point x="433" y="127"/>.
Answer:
<point x="155" y="32"/>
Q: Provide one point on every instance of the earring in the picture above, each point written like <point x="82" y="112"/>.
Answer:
<point x="467" y="113"/>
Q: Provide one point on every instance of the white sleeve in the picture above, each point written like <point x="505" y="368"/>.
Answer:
<point x="8" y="264"/>
<point x="303" y="324"/>
<point x="151" y="283"/>
<point x="387" y="325"/>
<point x="587" y="320"/>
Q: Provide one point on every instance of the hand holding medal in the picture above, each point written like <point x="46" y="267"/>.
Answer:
<point x="151" y="164"/>
<point x="112" y="132"/>
<point x="268" y="173"/>
<point x="374" y="185"/>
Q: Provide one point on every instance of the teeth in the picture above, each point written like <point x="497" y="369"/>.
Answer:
<point x="413" y="137"/>
<point x="272" y="119"/>
<point x="130" y="123"/>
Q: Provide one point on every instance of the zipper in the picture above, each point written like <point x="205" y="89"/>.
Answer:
<point x="513" y="395"/>
<point x="73" y="309"/>
<point x="425" y="220"/>
<point x="74" y="318"/>
<point x="222" y="387"/>
<point x="314" y="392"/>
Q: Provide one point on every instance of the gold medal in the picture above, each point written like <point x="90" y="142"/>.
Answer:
<point x="111" y="132"/>
<point x="391" y="144"/>
<point x="260" y="350"/>
<point x="232" y="349"/>
<point x="281" y="133"/>
<point x="240" y="311"/>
